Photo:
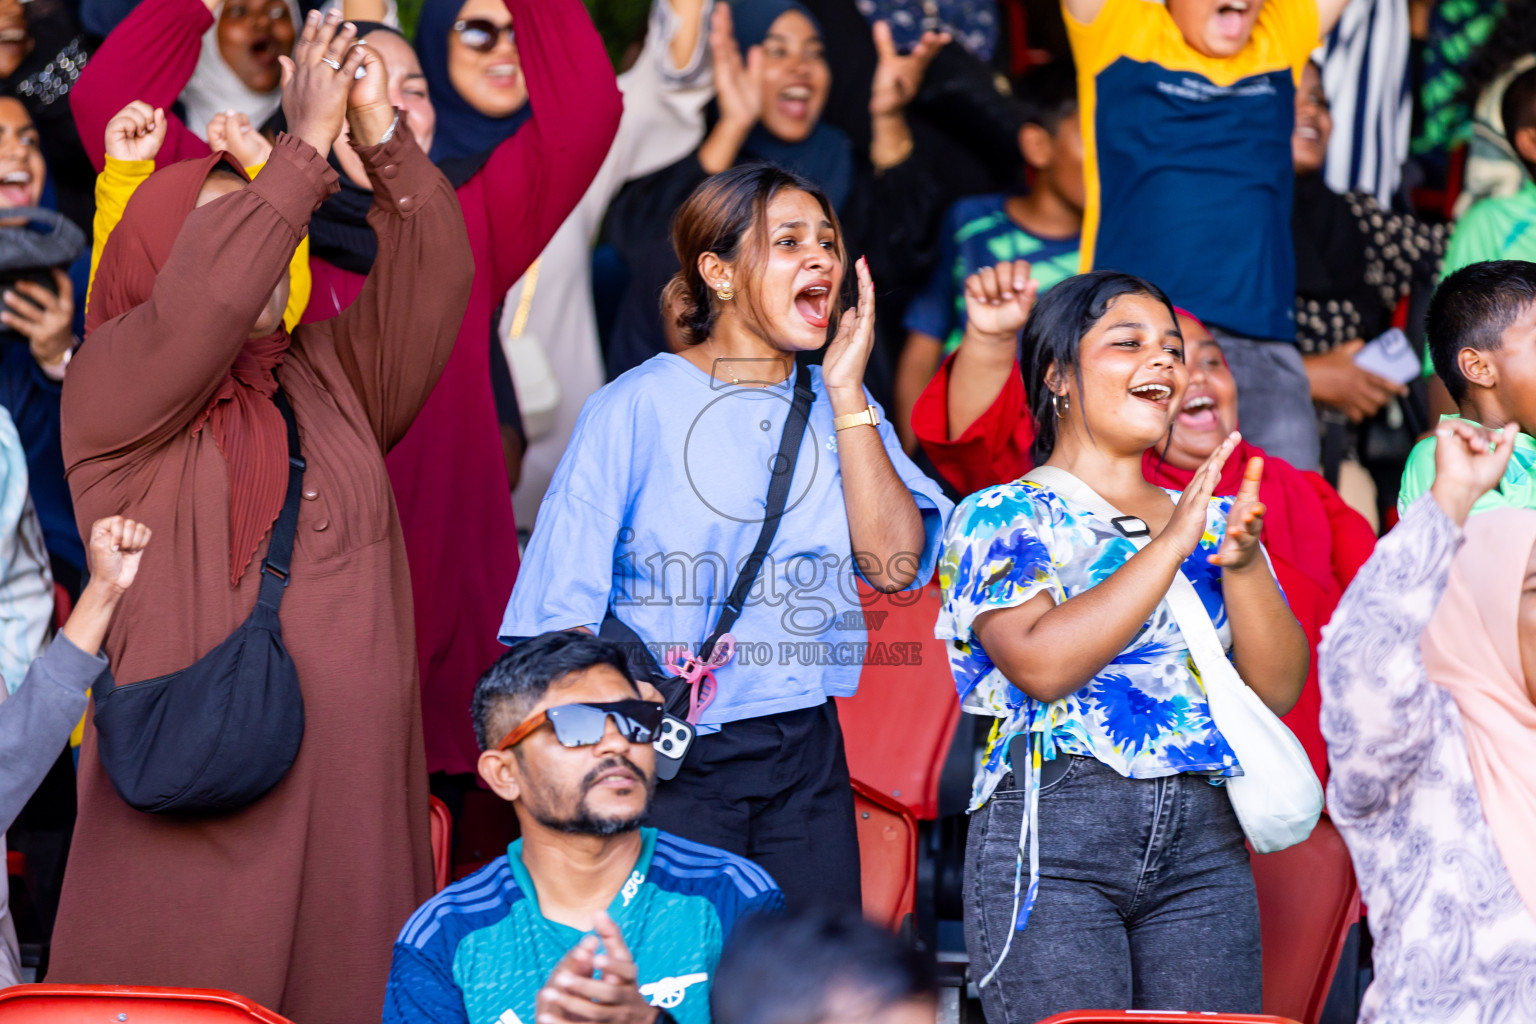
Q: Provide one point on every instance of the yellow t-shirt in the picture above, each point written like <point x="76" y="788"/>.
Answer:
<point x="1187" y="159"/>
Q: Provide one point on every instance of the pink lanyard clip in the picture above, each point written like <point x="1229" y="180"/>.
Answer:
<point x="700" y="675"/>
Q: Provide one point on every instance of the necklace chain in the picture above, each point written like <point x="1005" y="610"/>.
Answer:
<point x="725" y="364"/>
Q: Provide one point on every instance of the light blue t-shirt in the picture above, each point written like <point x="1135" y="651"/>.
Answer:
<point x="658" y="500"/>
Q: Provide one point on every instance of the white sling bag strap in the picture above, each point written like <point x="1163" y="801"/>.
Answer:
<point x="1277" y="798"/>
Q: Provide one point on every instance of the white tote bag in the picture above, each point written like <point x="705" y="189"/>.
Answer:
<point x="1277" y="798"/>
<point x="533" y="374"/>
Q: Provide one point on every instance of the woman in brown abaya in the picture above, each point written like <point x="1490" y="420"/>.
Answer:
<point x="168" y="417"/>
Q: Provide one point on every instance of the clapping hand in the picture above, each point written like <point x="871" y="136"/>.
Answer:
<point x="318" y="79"/>
<point x="738" y="79"/>
<point x="1469" y="462"/>
<point x="1244" y="523"/>
<point x="998" y="299"/>
<point x="588" y="987"/>
<point x="369" y="112"/>
<point x="136" y="132"/>
<point x="898" y="76"/>
<point x="233" y="133"/>
<point x="1187" y="524"/>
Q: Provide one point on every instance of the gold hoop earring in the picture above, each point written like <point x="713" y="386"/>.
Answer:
<point x="725" y="292"/>
<point x="1061" y="403"/>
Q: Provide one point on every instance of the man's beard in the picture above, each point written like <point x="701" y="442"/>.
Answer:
<point x="584" y="822"/>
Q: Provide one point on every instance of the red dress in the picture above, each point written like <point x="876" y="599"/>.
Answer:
<point x="1315" y="541"/>
<point x="449" y="473"/>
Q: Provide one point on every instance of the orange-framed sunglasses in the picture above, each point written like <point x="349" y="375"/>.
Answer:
<point x="582" y="725"/>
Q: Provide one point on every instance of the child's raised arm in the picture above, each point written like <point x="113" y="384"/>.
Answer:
<point x="36" y="720"/>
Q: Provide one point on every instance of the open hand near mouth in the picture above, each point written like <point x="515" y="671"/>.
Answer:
<point x="843" y="366"/>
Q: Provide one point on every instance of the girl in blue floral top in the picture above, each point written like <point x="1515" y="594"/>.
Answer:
<point x="1097" y="816"/>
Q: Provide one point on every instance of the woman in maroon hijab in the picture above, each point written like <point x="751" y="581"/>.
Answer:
<point x="295" y="899"/>
<point x="450" y="472"/>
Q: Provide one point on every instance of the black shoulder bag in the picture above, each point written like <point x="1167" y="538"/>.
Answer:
<point x="221" y="733"/>
<point x="642" y="662"/>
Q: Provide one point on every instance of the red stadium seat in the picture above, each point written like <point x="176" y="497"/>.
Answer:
<point x="90" y="1004"/>
<point x="1171" y="1016"/>
<point x="442" y="842"/>
<point x="887" y="856"/>
<point x="897" y="730"/>
<point x="1308" y="898"/>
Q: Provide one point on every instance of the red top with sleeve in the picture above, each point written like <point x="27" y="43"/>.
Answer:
<point x="1315" y="541"/>
<point x="449" y="473"/>
<point x="149" y="57"/>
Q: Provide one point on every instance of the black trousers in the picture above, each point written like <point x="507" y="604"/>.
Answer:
<point x="775" y="790"/>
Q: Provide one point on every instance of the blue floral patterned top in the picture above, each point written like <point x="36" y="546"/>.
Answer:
<point x="1145" y="714"/>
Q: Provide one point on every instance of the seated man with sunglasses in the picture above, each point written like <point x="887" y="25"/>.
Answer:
<point x="588" y="918"/>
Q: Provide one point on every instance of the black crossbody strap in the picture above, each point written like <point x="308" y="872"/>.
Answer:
<point x="274" y="568"/>
<point x="782" y="474"/>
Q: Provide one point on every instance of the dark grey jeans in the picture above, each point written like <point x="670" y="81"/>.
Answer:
<point x="1146" y="899"/>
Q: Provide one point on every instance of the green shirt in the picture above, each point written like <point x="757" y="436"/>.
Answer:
<point x="1516" y="490"/>
<point x="978" y="232"/>
<point x="479" y="951"/>
<point x="1497" y="228"/>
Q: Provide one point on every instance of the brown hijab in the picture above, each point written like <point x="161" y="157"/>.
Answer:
<point x="246" y="425"/>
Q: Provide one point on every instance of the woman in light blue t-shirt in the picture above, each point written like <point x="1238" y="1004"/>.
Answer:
<point x="660" y="498"/>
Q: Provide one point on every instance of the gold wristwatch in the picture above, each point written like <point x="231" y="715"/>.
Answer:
<point x="857" y="419"/>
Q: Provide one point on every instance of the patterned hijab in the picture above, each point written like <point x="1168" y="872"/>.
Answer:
<point x="245" y="424"/>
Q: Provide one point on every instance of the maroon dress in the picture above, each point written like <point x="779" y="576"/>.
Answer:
<point x="449" y="473"/>
<point x="294" y="901"/>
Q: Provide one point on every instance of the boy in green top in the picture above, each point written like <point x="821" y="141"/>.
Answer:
<point x="1501" y="227"/>
<point x="1482" y="337"/>
<point x="1504" y="227"/>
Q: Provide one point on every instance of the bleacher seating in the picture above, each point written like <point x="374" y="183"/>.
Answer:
<point x="1308" y="898"/>
<point x="887" y="856"/>
<point x="88" y="1004"/>
<point x="1171" y="1016"/>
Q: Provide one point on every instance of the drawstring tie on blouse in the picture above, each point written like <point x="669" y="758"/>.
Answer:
<point x="1037" y="728"/>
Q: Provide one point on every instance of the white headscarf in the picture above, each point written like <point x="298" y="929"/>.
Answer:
<point x="215" y="88"/>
